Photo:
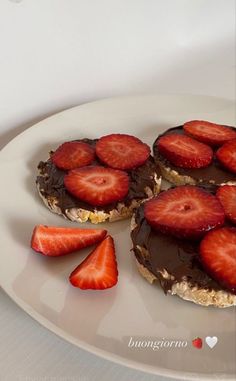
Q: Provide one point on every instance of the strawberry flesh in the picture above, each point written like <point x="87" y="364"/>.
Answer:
<point x="122" y="151"/>
<point x="227" y="155"/>
<point x="227" y="196"/>
<point x="97" y="185"/>
<point x="55" y="241"/>
<point x="218" y="256"/>
<point x="99" y="269"/>
<point x="185" y="212"/>
<point x="209" y="133"/>
<point x="184" y="151"/>
<point x="73" y="155"/>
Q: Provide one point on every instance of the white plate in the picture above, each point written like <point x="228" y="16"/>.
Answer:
<point x="103" y="322"/>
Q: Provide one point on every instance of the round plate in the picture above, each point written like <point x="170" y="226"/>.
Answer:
<point x="133" y="323"/>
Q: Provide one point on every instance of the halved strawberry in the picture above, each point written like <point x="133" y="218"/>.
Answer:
<point x="227" y="196"/>
<point x="209" y="133"/>
<point x="227" y="155"/>
<point x="97" y="185"/>
<point x="55" y="241"/>
<point x="99" y="270"/>
<point x="73" y="155"/>
<point x="122" y="151"/>
<point x="218" y="255"/>
<point x="185" y="211"/>
<point x="184" y="151"/>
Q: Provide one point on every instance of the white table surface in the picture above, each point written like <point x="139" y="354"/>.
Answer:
<point x="58" y="53"/>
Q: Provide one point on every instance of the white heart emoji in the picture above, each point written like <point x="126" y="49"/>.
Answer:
<point x="211" y="341"/>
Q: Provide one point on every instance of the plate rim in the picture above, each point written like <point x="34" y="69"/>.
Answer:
<point x="111" y="98"/>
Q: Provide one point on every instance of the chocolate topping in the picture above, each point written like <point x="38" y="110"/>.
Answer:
<point x="161" y="252"/>
<point x="51" y="184"/>
<point x="213" y="173"/>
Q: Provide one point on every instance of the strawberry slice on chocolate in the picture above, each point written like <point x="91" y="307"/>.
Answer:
<point x="218" y="255"/>
<point x="56" y="241"/>
<point x="99" y="270"/>
<point x="185" y="212"/>
<point x="97" y="185"/>
<point x="209" y="133"/>
<point x="227" y="196"/>
<point x="227" y="155"/>
<point x="122" y="151"/>
<point x="184" y="151"/>
<point x="73" y="155"/>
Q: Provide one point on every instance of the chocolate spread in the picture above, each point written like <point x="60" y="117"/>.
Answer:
<point x="51" y="184"/>
<point x="214" y="173"/>
<point x="179" y="258"/>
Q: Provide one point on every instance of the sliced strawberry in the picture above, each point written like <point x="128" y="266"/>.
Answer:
<point x="185" y="211"/>
<point x="97" y="185"/>
<point x="184" y="151"/>
<point x="227" y="196"/>
<point x="99" y="270"/>
<point x="122" y="151"/>
<point x="73" y="155"/>
<point x="209" y="133"/>
<point x="55" y="241"/>
<point x="197" y="343"/>
<point x="218" y="255"/>
<point x="227" y="155"/>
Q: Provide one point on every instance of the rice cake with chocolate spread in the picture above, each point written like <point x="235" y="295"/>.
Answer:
<point x="145" y="182"/>
<point x="175" y="264"/>
<point x="213" y="174"/>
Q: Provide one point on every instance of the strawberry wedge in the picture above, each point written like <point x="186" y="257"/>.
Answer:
<point x="99" y="270"/>
<point x="55" y="241"/>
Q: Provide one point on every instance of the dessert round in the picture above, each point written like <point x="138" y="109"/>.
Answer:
<point x="200" y="269"/>
<point x="198" y="152"/>
<point x="86" y="183"/>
